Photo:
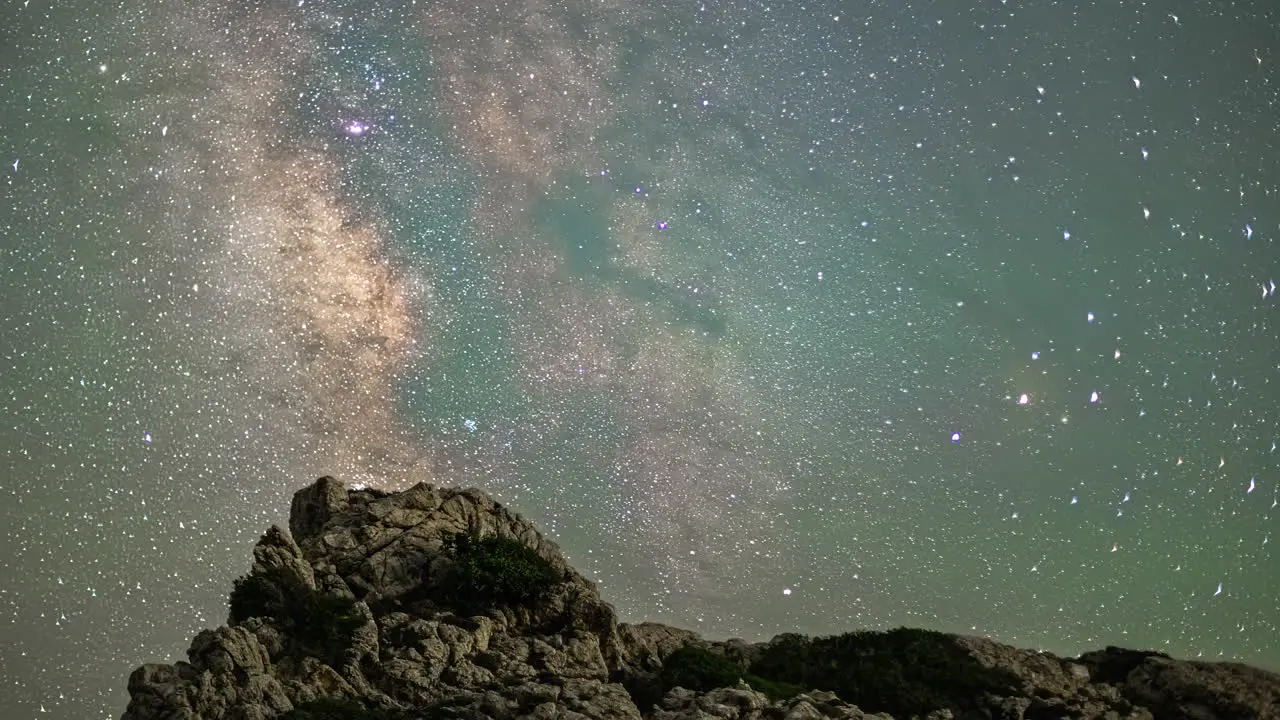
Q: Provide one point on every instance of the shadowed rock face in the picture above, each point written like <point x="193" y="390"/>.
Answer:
<point x="356" y="613"/>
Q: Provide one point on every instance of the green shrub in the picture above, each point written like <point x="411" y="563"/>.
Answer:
<point x="773" y="689"/>
<point x="492" y="571"/>
<point x="902" y="672"/>
<point x="313" y="622"/>
<point x="335" y="709"/>
<point x="256" y="596"/>
<point x="699" y="669"/>
<point x="696" y="668"/>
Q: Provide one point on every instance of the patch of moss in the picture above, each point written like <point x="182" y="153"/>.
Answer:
<point x="495" y="571"/>
<point x="313" y="622"/>
<point x="337" y="709"/>
<point x="903" y="672"/>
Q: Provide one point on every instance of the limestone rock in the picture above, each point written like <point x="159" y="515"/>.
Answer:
<point x="356" y="604"/>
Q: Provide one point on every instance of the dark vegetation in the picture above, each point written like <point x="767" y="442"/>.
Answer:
<point x="696" y="668"/>
<point x="335" y="709"/>
<point x="1114" y="664"/>
<point x="774" y="689"/>
<point x="902" y="672"/>
<point x="495" y="571"/>
<point x="313" y="622"/>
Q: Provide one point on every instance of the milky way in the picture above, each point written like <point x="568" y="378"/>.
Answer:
<point x="528" y="94"/>
<point x="307" y="319"/>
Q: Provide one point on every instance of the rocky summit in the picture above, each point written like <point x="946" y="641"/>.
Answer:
<point x="441" y="603"/>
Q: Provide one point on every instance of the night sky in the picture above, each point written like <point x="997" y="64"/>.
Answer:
<point x="777" y="317"/>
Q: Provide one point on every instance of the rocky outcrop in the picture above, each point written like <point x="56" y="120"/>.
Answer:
<point x="377" y="606"/>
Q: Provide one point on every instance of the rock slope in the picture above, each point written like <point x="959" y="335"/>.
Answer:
<point x="441" y="603"/>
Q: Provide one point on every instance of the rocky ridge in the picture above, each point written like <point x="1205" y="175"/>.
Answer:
<point x="441" y="603"/>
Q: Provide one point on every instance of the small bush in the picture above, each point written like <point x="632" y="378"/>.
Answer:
<point x="256" y="596"/>
<point x="699" y="669"/>
<point x="313" y="622"/>
<point x="774" y="690"/>
<point x="492" y="571"/>
<point x="696" y="668"/>
<point x="902" y="672"/>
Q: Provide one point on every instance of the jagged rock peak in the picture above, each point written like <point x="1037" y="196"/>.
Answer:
<point x="384" y="542"/>
<point x="441" y="603"/>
